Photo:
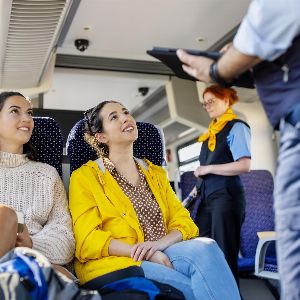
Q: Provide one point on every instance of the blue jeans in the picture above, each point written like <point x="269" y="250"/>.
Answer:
<point x="287" y="210"/>
<point x="200" y="271"/>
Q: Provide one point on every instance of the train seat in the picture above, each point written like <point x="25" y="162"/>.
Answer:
<point x="150" y="145"/>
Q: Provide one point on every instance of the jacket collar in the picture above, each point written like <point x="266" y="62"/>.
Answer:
<point x="102" y="168"/>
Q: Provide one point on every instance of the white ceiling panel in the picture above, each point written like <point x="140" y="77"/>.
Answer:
<point x="126" y="29"/>
<point x="84" y="89"/>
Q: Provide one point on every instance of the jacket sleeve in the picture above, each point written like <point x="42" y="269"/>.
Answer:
<point x="55" y="239"/>
<point x="178" y="217"/>
<point x="91" y="241"/>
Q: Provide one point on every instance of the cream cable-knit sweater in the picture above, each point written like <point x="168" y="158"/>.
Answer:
<point x="36" y="189"/>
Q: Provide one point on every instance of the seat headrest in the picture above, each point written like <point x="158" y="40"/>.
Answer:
<point x="150" y="145"/>
<point x="48" y="142"/>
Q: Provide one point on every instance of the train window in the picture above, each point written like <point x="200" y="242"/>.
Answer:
<point x="188" y="156"/>
<point x="189" y="167"/>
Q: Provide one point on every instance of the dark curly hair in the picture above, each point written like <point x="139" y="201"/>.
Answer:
<point x="28" y="148"/>
<point x="93" y="125"/>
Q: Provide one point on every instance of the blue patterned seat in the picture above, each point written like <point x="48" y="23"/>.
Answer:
<point x="48" y="142"/>
<point x="150" y="145"/>
<point x="187" y="182"/>
<point x="258" y="185"/>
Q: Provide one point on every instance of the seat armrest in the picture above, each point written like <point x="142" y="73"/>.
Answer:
<point x="265" y="238"/>
<point x="266" y="234"/>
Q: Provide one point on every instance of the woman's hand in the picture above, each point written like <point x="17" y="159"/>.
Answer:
<point x="161" y="258"/>
<point x="145" y="250"/>
<point x="24" y="239"/>
<point x="202" y="170"/>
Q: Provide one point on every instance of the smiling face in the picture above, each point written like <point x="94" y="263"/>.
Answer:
<point x="119" y="127"/>
<point x="16" y="124"/>
<point x="215" y="106"/>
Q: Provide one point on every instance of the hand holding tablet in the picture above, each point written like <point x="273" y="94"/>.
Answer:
<point x="168" y="57"/>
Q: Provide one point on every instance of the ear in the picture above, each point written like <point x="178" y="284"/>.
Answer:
<point x="227" y="101"/>
<point x="101" y="137"/>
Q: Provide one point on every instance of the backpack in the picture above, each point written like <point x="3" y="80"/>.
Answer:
<point x="26" y="274"/>
<point x="130" y="284"/>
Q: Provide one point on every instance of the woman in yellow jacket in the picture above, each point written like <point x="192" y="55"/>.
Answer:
<point x="125" y="213"/>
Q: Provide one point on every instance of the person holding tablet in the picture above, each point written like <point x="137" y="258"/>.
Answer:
<point x="268" y="43"/>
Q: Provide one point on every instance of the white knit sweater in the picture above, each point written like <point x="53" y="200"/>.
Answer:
<point x="36" y="189"/>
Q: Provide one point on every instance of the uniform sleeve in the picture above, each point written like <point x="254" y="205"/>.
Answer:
<point x="91" y="241"/>
<point x="55" y="239"/>
<point x="178" y="216"/>
<point x="268" y="30"/>
<point x="239" y="140"/>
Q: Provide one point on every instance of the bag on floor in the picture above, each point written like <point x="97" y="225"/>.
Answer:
<point x="130" y="284"/>
<point x="26" y="274"/>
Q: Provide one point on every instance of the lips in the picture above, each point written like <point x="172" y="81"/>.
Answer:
<point x="128" y="128"/>
<point x="23" y="128"/>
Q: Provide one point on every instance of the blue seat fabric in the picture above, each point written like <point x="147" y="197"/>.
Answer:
<point x="48" y="142"/>
<point x="148" y="145"/>
<point x="187" y="183"/>
<point x="258" y="186"/>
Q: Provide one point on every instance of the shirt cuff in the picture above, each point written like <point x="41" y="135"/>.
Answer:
<point x="183" y="233"/>
<point x="105" y="249"/>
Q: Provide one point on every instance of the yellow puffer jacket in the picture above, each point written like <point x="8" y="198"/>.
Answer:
<point x="101" y="212"/>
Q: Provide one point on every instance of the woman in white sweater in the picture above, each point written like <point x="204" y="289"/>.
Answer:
<point x="30" y="187"/>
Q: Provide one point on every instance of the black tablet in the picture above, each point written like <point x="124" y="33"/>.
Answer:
<point x="169" y="58"/>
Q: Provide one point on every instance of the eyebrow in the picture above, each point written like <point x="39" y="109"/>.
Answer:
<point x="16" y="106"/>
<point x="114" y="112"/>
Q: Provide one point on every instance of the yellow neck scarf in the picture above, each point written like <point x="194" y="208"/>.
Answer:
<point x="215" y="127"/>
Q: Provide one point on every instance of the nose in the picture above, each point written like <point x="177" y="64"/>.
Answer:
<point x="26" y="117"/>
<point x="125" y="118"/>
<point x="206" y="105"/>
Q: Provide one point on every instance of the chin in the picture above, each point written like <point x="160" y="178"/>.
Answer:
<point x="23" y="141"/>
<point x="134" y="138"/>
<point x="135" y="134"/>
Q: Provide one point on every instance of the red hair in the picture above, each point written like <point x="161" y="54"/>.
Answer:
<point x="222" y="93"/>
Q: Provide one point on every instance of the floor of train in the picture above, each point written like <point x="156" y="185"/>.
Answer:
<point x="255" y="289"/>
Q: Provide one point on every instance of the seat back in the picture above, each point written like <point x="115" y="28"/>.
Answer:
<point x="259" y="186"/>
<point x="48" y="142"/>
<point x="150" y="145"/>
<point x="187" y="182"/>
